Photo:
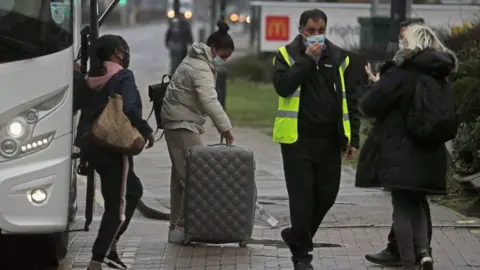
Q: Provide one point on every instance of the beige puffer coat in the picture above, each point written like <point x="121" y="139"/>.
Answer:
<point x="191" y="94"/>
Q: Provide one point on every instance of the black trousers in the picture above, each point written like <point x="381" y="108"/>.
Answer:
<point x="121" y="190"/>
<point x="410" y="224"/>
<point x="392" y="245"/>
<point x="312" y="168"/>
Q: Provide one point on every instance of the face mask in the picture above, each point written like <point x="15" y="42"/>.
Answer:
<point x="125" y="59"/>
<point x="315" y="39"/>
<point x="219" y="61"/>
<point x="126" y="62"/>
<point x="400" y="44"/>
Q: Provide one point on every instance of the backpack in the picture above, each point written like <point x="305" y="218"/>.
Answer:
<point x="431" y="118"/>
<point x="156" y="93"/>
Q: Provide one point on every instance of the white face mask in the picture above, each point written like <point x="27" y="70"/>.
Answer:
<point x="315" y="39"/>
<point x="400" y="44"/>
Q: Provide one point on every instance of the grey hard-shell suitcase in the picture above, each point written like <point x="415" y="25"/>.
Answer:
<point x="220" y="194"/>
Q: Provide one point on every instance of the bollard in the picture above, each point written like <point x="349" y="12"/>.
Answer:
<point x="221" y="83"/>
<point x="175" y="60"/>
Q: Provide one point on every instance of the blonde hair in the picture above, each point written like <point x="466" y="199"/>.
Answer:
<point x="421" y="37"/>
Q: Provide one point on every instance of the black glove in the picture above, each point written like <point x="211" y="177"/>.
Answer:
<point x="150" y="141"/>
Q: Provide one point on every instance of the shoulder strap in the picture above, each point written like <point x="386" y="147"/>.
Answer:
<point x="114" y="82"/>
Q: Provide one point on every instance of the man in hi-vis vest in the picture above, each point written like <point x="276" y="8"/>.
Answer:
<point x="317" y="121"/>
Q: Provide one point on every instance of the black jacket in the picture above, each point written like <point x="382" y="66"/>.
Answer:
<point x="122" y="83"/>
<point x="389" y="157"/>
<point x="320" y="96"/>
<point x="178" y="37"/>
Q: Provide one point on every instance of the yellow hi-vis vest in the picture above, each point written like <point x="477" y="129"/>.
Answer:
<point x="285" y="128"/>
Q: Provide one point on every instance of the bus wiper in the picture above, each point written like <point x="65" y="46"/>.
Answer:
<point x="20" y="44"/>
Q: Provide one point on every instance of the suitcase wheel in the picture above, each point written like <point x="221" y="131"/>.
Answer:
<point x="243" y="243"/>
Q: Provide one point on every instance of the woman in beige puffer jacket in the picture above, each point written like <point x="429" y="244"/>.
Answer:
<point x="189" y="99"/>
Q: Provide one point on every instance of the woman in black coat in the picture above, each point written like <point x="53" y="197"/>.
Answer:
<point x="390" y="158"/>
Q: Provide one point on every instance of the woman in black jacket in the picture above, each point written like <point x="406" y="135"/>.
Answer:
<point x="121" y="188"/>
<point x="390" y="158"/>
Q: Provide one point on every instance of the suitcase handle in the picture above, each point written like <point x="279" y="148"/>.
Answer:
<point x="221" y="142"/>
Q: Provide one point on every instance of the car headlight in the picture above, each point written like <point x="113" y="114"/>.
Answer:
<point x="17" y="126"/>
<point x="187" y="14"/>
<point x="171" y="14"/>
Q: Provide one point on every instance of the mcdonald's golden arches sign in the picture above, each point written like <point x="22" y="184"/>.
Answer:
<point x="277" y="28"/>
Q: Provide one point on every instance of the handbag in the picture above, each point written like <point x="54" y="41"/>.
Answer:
<point x="113" y="130"/>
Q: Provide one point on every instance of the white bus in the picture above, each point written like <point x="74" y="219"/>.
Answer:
<point x="38" y="42"/>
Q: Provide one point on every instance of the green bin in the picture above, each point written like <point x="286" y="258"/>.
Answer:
<point x="376" y="30"/>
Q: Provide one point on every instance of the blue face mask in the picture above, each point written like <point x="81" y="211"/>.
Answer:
<point x="315" y="39"/>
<point x="400" y="44"/>
<point x="219" y="61"/>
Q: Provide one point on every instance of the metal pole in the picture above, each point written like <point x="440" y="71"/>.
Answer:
<point x="221" y="84"/>
<point x="93" y="36"/>
<point x="409" y="9"/>
<point x="176" y="8"/>
<point x="398" y="14"/>
<point x="251" y="25"/>
<point x="213" y="15"/>
<point x="374" y="8"/>
<point x="223" y="6"/>
<point x="95" y="70"/>
<point x="398" y="10"/>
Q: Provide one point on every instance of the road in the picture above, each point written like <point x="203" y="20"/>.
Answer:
<point x="147" y="45"/>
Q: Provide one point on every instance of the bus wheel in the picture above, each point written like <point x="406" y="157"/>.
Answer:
<point x="62" y="245"/>
<point x="26" y="251"/>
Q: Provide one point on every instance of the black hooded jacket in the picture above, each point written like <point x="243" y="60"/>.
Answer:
<point x="321" y="95"/>
<point x="389" y="157"/>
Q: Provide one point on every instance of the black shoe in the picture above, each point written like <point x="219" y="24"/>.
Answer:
<point x="385" y="257"/>
<point x="113" y="261"/>
<point x="302" y="266"/>
<point x="286" y="236"/>
<point x="418" y="259"/>
<point x="426" y="261"/>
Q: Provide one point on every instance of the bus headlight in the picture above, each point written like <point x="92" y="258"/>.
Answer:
<point x="17" y="126"/>
<point x="38" y="195"/>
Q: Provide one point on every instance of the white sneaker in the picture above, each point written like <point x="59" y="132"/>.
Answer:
<point x="176" y="236"/>
<point x="94" y="265"/>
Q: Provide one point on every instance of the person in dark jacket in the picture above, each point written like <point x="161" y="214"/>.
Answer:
<point x="315" y="130"/>
<point x="121" y="188"/>
<point x="390" y="256"/>
<point x="177" y="39"/>
<point x="391" y="158"/>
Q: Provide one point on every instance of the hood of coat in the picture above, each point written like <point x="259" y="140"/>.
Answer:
<point x="433" y="62"/>
<point x="97" y="83"/>
<point x="203" y="52"/>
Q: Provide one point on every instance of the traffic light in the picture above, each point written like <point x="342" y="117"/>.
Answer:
<point x="122" y="3"/>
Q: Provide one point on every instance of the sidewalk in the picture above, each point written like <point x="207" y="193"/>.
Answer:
<point x="357" y="224"/>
